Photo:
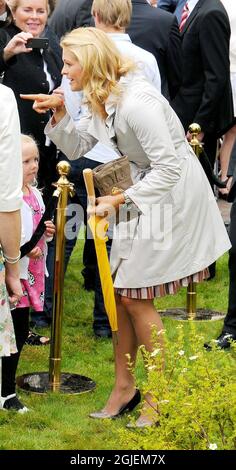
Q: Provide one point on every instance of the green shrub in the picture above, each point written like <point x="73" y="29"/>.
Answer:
<point x="195" y="395"/>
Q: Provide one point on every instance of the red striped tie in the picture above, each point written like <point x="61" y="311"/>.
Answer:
<point x="184" y="17"/>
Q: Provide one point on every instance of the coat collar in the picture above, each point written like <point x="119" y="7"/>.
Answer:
<point x="104" y="130"/>
<point x="112" y="104"/>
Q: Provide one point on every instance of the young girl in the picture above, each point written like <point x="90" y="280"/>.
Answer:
<point x="32" y="271"/>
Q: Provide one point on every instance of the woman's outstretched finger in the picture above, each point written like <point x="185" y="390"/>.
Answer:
<point x="34" y="97"/>
<point x="43" y="102"/>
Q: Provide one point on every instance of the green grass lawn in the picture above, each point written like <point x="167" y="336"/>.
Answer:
<point x="61" y="421"/>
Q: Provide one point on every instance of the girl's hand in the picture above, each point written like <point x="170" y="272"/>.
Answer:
<point x="17" y="45"/>
<point x="42" y="103"/>
<point x="106" y="205"/>
<point x="50" y="228"/>
<point x="36" y="253"/>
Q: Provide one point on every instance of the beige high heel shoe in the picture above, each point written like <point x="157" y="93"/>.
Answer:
<point x="149" y="417"/>
<point x="103" y="414"/>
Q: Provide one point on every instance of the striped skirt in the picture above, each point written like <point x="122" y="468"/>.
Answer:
<point x="148" y="293"/>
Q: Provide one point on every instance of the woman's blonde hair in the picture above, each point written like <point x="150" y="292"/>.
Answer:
<point x="113" y="13"/>
<point x="14" y="4"/>
<point x="101" y="62"/>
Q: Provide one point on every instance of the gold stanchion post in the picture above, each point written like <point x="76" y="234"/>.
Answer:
<point x="55" y="381"/>
<point x="64" y="189"/>
<point x="191" y="312"/>
<point x="194" y="130"/>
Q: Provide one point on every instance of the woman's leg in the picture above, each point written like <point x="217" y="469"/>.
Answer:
<point x="145" y="318"/>
<point x="124" y="387"/>
<point x="136" y="319"/>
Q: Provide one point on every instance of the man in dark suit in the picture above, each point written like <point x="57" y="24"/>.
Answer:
<point x="229" y="328"/>
<point x="228" y="333"/>
<point x="70" y="14"/>
<point x="157" y="31"/>
<point x="205" y="96"/>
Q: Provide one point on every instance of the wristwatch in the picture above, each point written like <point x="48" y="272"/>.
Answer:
<point x="128" y="204"/>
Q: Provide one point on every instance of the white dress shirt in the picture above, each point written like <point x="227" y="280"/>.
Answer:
<point x="145" y="61"/>
<point x="191" y="5"/>
<point x="3" y="17"/>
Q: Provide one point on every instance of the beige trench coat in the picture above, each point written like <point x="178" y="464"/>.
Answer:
<point x="179" y="229"/>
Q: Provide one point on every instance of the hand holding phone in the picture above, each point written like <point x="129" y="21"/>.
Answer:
<point x="37" y="43"/>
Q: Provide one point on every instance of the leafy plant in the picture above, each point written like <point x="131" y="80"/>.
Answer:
<point x="195" y="397"/>
<point x="58" y="421"/>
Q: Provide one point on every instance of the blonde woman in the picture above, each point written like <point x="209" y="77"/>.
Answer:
<point x="166" y="243"/>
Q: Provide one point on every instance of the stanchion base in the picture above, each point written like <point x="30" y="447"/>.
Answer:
<point x="202" y="314"/>
<point x="38" y="382"/>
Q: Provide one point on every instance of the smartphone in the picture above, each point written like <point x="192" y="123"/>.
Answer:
<point x="37" y="43"/>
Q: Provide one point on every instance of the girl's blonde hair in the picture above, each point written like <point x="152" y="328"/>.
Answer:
<point x="28" y="139"/>
<point x="113" y="13"/>
<point x="101" y="62"/>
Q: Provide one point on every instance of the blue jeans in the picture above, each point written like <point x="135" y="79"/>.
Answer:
<point x="90" y="271"/>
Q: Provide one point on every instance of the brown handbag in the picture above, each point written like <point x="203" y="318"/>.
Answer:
<point x="113" y="177"/>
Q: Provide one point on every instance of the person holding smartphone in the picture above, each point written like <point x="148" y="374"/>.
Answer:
<point x="32" y="69"/>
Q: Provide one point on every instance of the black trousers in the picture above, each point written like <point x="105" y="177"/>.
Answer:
<point x="210" y="146"/>
<point x="230" y="319"/>
<point x="20" y="317"/>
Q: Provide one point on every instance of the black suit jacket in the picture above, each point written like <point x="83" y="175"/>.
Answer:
<point x="157" y="31"/>
<point x="205" y="96"/>
<point x="70" y="14"/>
